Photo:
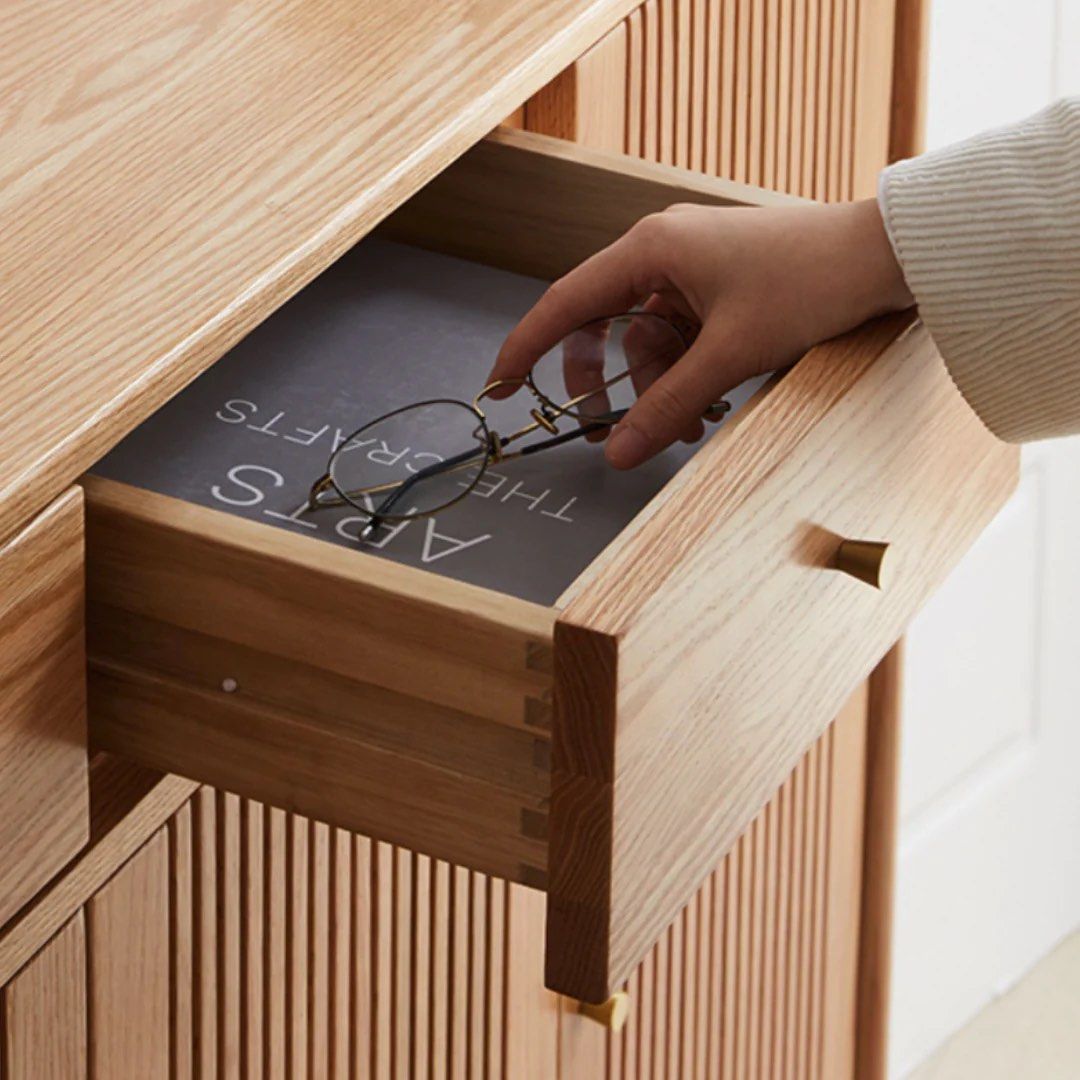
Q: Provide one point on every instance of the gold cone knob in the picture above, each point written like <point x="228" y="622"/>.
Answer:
<point x="611" y="1013"/>
<point x="866" y="560"/>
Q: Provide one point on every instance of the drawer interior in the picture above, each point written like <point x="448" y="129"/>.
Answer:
<point x="400" y="688"/>
<point x="392" y="324"/>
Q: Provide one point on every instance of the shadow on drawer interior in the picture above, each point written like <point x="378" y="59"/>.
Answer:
<point x="386" y="326"/>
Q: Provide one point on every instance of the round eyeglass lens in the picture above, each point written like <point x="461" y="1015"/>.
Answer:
<point x="604" y="366"/>
<point x="413" y="461"/>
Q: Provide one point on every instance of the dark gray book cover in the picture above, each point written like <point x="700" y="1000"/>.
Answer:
<point x="387" y="325"/>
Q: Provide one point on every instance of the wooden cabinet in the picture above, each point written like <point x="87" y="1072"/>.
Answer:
<point x="252" y="659"/>
<point x="639" y="788"/>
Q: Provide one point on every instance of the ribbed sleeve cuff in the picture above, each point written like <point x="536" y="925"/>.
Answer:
<point x="987" y="233"/>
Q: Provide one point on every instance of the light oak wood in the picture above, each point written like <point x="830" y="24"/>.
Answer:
<point x="426" y="725"/>
<point x="748" y="670"/>
<point x="182" y="934"/>
<point x="879" y="866"/>
<point x="128" y="942"/>
<point x="43" y="1012"/>
<point x="907" y="128"/>
<point x="537" y="205"/>
<point x="564" y="108"/>
<point x="874" y="82"/>
<point x="44" y="812"/>
<point x="755" y="975"/>
<point x="127" y="804"/>
<point x="174" y="172"/>
<point x="790" y="94"/>
<point x="394" y="964"/>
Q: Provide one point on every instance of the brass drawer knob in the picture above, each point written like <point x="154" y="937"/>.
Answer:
<point x="611" y="1013"/>
<point x="866" y="560"/>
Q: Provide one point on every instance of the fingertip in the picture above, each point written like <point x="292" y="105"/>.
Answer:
<point x="501" y="393"/>
<point x="626" y="447"/>
<point x="694" y="433"/>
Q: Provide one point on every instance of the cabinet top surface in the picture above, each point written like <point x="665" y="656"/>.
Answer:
<point x="173" y="172"/>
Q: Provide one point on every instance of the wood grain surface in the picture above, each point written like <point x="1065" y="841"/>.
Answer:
<point x="879" y="866"/>
<point x="907" y="134"/>
<point x="128" y="804"/>
<point x="43" y="1017"/>
<point x="44" y="812"/>
<point x="275" y="945"/>
<point x="714" y="643"/>
<point x="537" y="205"/>
<point x="793" y="95"/>
<point x="172" y="172"/>
<point x="240" y="940"/>
<point x="305" y="951"/>
<point x="375" y="696"/>
<point x="756" y="974"/>
<point x="128" y="942"/>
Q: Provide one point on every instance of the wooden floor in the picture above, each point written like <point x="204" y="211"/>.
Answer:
<point x="1032" y="1031"/>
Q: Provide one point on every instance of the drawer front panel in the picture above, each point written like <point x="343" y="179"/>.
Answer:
<point x="370" y="695"/>
<point x="712" y="648"/>
<point x="44" y="810"/>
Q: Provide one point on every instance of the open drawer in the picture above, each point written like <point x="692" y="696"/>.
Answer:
<point x="608" y="747"/>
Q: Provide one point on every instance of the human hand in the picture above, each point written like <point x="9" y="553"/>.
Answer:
<point x="762" y="286"/>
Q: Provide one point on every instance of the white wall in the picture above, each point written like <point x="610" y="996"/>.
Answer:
<point x="989" y="860"/>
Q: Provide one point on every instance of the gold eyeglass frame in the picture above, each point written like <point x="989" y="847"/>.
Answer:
<point x="492" y="445"/>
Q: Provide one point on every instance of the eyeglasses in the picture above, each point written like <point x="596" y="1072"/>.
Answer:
<point x="422" y="458"/>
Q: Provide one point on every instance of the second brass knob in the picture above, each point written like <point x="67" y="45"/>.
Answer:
<point x="611" y="1014"/>
<point x="866" y="560"/>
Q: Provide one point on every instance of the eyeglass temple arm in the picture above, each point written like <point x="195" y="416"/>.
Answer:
<point x="458" y="460"/>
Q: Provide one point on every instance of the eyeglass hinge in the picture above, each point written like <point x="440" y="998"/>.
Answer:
<point x="546" y="419"/>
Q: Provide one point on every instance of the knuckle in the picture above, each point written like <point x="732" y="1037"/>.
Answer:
<point x="650" y="227"/>
<point x="557" y="292"/>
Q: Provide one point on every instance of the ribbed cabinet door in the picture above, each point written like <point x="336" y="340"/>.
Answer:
<point x="43" y="1012"/>
<point x="128" y="946"/>
<point x="792" y="95"/>
<point x="756" y="976"/>
<point x="302" y="951"/>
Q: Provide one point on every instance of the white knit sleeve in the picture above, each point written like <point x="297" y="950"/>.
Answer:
<point x="987" y="233"/>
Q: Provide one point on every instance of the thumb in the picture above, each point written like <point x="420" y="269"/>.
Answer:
<point x="673" y="404"/>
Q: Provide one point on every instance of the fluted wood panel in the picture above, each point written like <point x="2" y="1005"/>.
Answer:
<point x="757" y="975"/>
<point x="304" y="951"/>
<point x="43" y="1012"/>
<point x="242" y="941"/>
<point x="792" y="95"/>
